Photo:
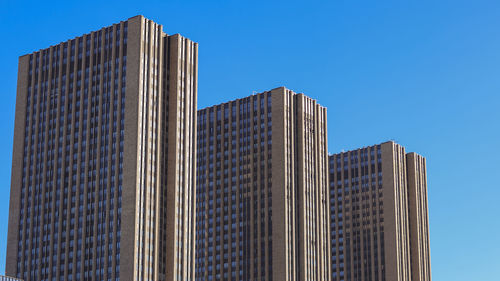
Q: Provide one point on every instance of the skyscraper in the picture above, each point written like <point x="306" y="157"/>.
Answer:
<point x="262" y="189"/>
<point x="379" y="215"/>
<point x="103" y="173"/>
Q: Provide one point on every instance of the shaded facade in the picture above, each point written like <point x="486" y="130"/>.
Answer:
<point x="103" y="166"/>
<point x="379" y="215"/>
<point x="262" y="189"/>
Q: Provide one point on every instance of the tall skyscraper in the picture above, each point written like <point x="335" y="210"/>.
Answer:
<point x="103" y="173"/>
<point x="262" y="189"/>
<point x="379" y="215"/>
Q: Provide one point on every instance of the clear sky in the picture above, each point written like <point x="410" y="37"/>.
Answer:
<point x="423" y="73"/>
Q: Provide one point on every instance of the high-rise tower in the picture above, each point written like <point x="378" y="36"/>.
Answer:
<point x="103" y="175"/>
<point x="262" y="189"/>
<point x="379" y="215"/>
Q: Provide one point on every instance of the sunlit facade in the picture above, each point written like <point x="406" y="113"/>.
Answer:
<point x="103" y="177"/>
<point x="262" y="189"/>
<point x="379" y="215"/>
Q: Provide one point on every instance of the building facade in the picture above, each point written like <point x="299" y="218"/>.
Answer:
<point x="103" y="173"/>
<point x="8" y="278"/>
<point x="262" y="189"/>
<point x="379" y="215"/>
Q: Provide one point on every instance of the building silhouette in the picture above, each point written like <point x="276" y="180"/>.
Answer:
<point x="262" y="189"/>
<point x="103" y="173"/>
<point x="379" y="215"/>
<point x="117" y="176"/>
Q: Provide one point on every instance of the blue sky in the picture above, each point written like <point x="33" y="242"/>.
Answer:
<point x="423" y="73"/>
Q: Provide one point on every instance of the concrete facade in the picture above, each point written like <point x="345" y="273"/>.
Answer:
<point x="379" y="215"/>
<point x="103" y="177"/>
<point x="116" y="175"/>
<point x="262" y="189"/>
<point x="8" y="278"/>
<point x="419" y="217"/>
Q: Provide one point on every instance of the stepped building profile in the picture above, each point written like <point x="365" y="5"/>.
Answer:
<point x="117" y="176"/>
